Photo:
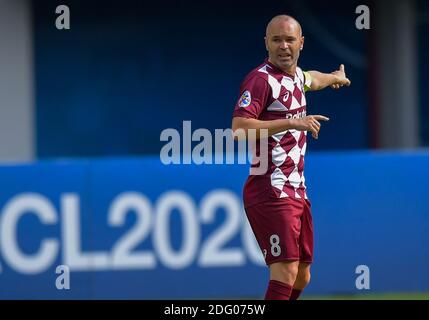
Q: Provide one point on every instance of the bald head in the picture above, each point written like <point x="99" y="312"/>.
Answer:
<point x="280" y="21"/>
<point x="284" y="41"/>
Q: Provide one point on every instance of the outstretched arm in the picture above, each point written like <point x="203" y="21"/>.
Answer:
<point x="334" y="79"/>
<point x="308" y="123"/>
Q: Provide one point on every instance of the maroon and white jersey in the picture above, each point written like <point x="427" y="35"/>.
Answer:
<point x="268" y="93"/>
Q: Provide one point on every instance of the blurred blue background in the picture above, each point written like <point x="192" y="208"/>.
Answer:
<point x="82" y="110"/>
<point x="162" y="64"/>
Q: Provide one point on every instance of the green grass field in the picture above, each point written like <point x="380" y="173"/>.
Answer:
<point x="384" y="296"/>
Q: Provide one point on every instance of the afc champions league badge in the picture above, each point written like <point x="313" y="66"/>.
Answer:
<point x="245" y="99"/>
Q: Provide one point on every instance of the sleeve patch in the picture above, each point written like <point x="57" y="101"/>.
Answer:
<point x="245" y="99"/>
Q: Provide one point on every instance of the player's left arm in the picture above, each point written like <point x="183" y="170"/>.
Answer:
<point x="335" y="79"/>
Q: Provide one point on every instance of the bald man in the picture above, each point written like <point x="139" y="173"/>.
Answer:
<point x="272" y="97"/>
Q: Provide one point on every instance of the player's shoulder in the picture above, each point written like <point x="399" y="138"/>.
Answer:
<point x="260" y="74"/>
<point x="300" y="73"/>
<point x="305" y="77"/>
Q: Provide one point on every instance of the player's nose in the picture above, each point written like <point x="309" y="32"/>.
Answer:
<point x="283" y="45"/>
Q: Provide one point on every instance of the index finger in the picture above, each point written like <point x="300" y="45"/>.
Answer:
<point x="319" y="117"/>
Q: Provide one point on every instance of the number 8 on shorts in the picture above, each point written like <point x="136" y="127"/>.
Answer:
<point x="275" y="248"/>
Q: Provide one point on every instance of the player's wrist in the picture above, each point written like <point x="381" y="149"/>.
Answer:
<point x="294" y="124"/>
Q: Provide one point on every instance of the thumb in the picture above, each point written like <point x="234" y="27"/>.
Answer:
<point x="342" y="68"/>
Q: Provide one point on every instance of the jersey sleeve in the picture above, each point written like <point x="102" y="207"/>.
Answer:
<point x="254" y="94"/>
<point x="307" y="81"/>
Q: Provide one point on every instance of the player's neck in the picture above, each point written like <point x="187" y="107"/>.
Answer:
<point x="290" y="71"/>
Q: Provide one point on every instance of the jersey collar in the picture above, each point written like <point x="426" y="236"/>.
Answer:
<point x="278" y="70"/>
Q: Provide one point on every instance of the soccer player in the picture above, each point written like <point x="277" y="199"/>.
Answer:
<point x="272" y="97"/>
